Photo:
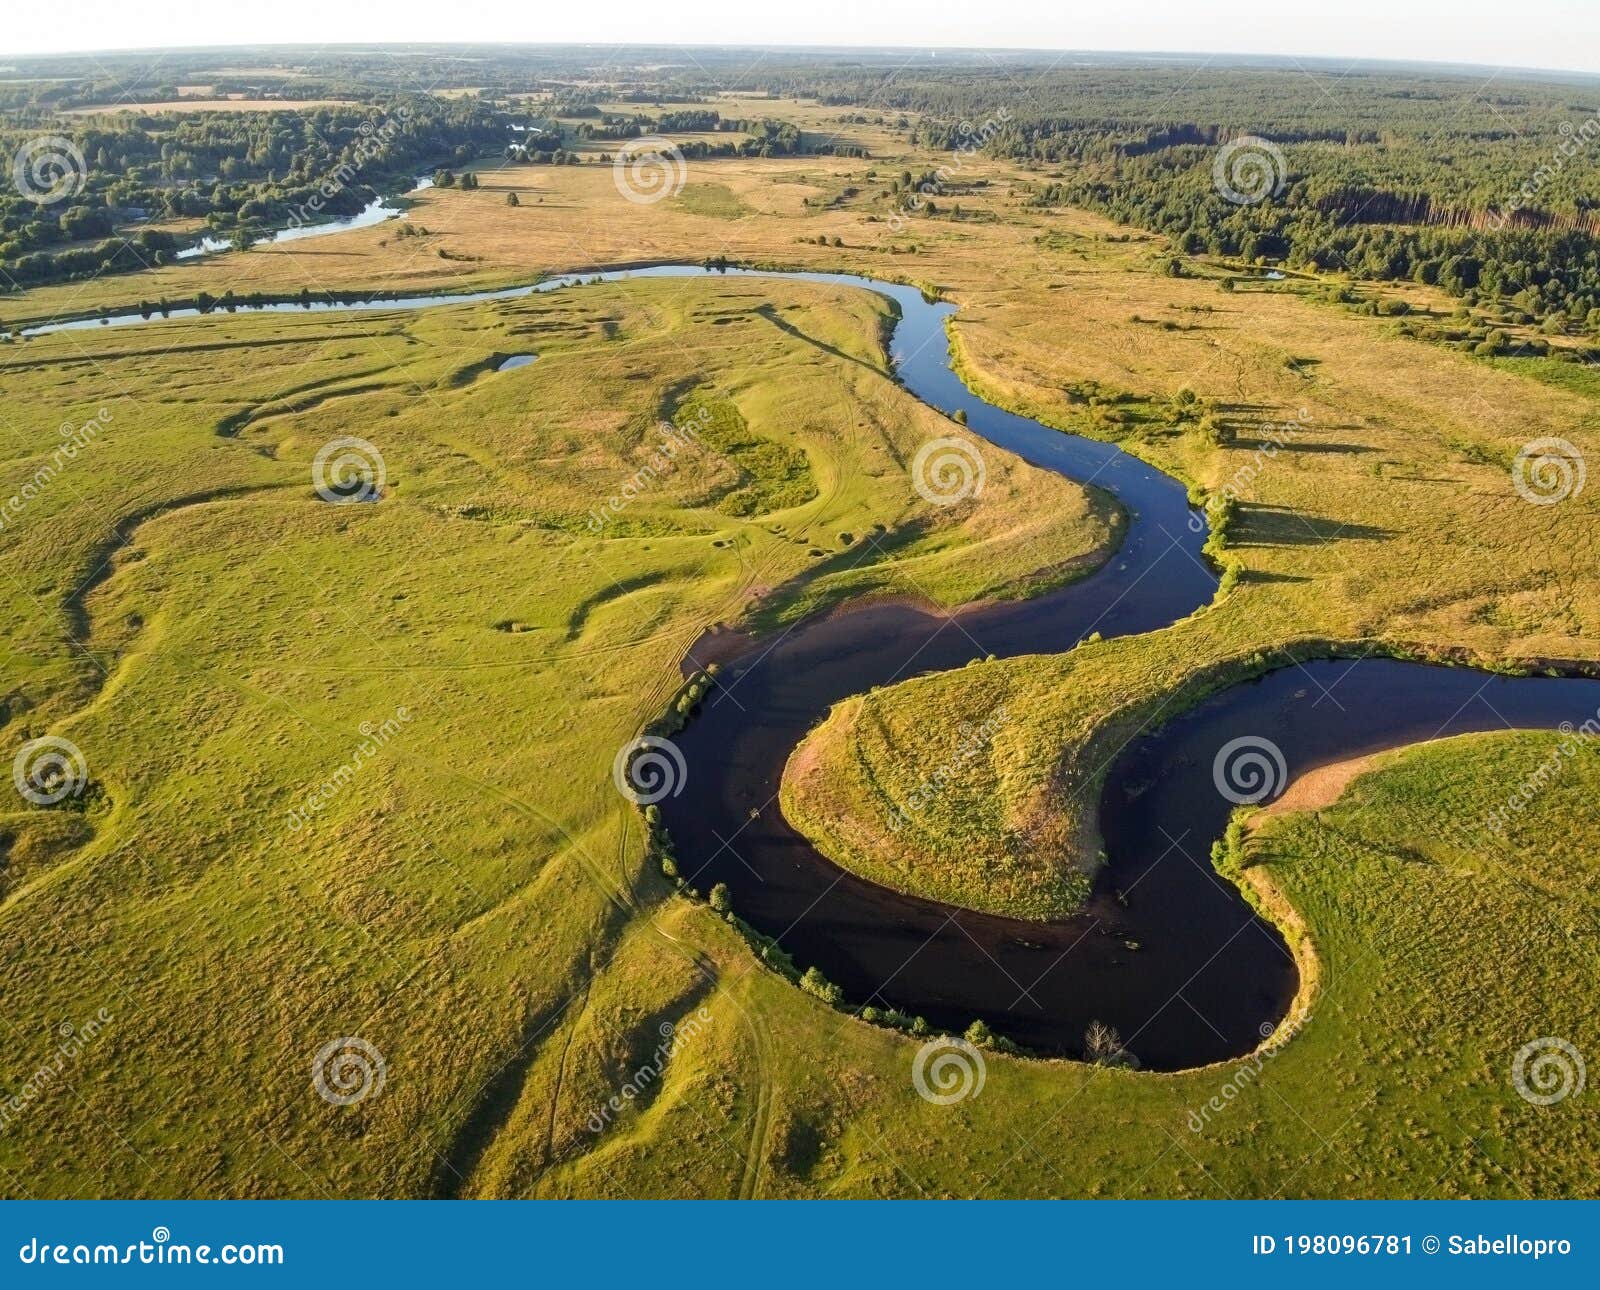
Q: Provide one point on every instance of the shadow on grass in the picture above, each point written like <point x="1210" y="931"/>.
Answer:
<point x="874" y="549"/>
<point x="1263" y="525"/>
<point x="770" y="313"/>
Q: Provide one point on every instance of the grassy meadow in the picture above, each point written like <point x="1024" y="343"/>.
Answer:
<point x="475" y="901"/>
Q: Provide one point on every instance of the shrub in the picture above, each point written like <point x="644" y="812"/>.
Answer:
<point x="813" y="982"/>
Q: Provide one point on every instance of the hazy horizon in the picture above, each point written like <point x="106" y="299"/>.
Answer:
<point x="1215" y="58"/>
<point x="1550" y="36"/>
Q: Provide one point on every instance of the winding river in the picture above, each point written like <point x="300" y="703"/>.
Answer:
<point x="1165" y="950"/>
<point x="376" y="211"/>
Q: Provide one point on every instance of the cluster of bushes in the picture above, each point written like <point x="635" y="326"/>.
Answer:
<point x="613" y="126"/>
<point x="1188" y="412"/>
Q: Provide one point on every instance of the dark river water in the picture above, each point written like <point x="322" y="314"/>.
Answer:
<point x="1165" y="950"/>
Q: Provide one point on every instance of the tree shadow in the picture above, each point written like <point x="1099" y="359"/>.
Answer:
<point x="771" y="314"/>
<point x="1264" y="576"/>
<point x="1288" y="445"/>
<point x="1263" y="525"/>
<point x="877" y="547"/>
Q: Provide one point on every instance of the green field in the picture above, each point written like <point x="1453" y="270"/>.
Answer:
<point x="349" y="765"/>
<point x="459" y="661"/>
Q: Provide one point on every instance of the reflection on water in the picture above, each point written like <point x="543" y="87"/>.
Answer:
<point x="374" y="212"/>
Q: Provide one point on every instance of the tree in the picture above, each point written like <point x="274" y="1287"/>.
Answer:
<point x="1102" y="1045"/>
<point x="721" y="901"/>
<point x="511" y="199"/>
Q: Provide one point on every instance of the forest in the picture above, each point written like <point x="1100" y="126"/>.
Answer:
<point x="1490" y="195"/>
<point x="236" y="171"/>
<point x="1488" y="190"/>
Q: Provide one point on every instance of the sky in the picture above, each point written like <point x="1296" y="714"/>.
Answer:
<point x="1556" y="34"/>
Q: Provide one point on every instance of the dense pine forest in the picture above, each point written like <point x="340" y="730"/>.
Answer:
<point x="1490" y="190"/>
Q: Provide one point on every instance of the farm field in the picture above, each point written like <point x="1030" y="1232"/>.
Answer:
<point x="351" y="766"/>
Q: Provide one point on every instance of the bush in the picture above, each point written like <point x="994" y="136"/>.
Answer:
<point x="1215" y="431"/>
<point x="814" y="983"/>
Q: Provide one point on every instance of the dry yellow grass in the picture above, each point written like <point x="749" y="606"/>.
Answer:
<point x="233" y="103"/>
<point x="570" y="218"/>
